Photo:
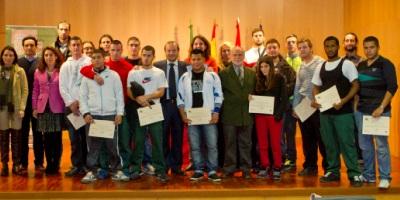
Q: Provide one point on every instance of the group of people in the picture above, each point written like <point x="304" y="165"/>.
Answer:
<point x="76" y="79"/>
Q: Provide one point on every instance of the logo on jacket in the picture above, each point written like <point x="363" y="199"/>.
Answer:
<point x="146" y="80"/>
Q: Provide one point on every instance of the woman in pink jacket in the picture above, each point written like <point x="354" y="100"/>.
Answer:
<point x="48" y="106"/>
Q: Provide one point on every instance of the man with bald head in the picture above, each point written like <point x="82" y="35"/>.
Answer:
<point x="238" y="82"/>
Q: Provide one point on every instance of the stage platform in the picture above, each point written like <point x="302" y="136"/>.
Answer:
<point x="291" y="186"/>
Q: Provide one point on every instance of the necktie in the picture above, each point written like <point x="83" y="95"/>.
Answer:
<point x="171" y="82"/>
<point x="239" y="73"/>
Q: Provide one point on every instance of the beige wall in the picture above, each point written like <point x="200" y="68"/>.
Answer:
<point x="156" y="21"/>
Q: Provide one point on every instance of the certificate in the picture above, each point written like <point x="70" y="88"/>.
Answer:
<point x="76" y="121"/>
<point x="199" y="116"/>
<point x="376" y="125"/>
<point x="102" y="128"/>
<point x="327" y="98"/>
<point x="261" y="104"/>
<point x="148" y="115"/>
<point x="304" y="110"/>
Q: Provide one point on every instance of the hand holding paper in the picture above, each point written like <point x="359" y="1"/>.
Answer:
<point x="328" y="98"/>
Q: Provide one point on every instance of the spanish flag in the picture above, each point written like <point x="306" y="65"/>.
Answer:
<point x="214" y="42"/>
<point x="237" y="42"/>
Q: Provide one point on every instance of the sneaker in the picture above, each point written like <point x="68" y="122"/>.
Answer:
<point x="214" y="177"/>
<point x="329" y="177"/>
<point x="135" y="176"/>
<point x="384" y="184"/>
<point x="189" y="167"/>
<point x="72" y="172"/>
<point x="289" y="166"/>
<point x="262" y="174"/>
<point x="365" y="180"/>
<point x="88" y="178"/>
<point x="308" y="171"/>
<point x="39" y="168"/>
<point x="102" y="174"/>
<point x="276" y="174"/>
<point x="356" y="181"/>
<point x="163" y="178"/>
<point x="149" y="169"/>
<point x="120" y="176"/>
<point x="197" y="176"/>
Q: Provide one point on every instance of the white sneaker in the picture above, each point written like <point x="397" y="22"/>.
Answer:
<point x="120" y="176"/>
<point x="88" y="178"/>
<point x="384" y="184"/>
<point x="149" y="169"/>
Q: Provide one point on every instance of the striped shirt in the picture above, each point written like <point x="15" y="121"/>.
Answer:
<point x="303" y="87"/>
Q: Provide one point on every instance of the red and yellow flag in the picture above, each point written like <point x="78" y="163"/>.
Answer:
<point x="214" y="42"/>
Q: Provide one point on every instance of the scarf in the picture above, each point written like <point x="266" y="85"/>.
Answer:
<point x="6" y="89"/>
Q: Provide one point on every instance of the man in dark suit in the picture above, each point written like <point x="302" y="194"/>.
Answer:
<point x="29" y="62"/>
<point x="173" y="126"/>
<point x="238" y="82"/>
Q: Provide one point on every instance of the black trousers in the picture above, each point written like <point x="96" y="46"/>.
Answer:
<point x="311" y="138"/>
<point x="53" y="149"/>
<point x="15" y="146"/>
<point x="29" y="122"/>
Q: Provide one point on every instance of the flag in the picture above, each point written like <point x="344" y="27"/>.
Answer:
<point x="214" y="42"/>
<point x="237" y="43"/>
<point x="191" y="31"/>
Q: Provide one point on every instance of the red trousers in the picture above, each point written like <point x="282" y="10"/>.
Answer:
<point x="269" y="133"/>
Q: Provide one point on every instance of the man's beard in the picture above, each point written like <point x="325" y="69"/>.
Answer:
<point x="350" y="48"/>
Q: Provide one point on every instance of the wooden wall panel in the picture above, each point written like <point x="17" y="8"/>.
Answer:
<point x="381" y="19"/>
<point x="156" y="21"/>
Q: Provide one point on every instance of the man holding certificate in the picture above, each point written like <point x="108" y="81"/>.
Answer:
<point x="198" y="90"/>
<point x="337" y="123"/>
<point x="310" y="131"/>
<point x="102" y="107"/>
<point x="238" y="82"/>
<point x="153" y="81"/>
<point x="378" y="84"/>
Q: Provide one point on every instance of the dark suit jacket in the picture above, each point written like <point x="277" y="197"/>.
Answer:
<point x="235" y="109"/>
<point x="163" y="66"/>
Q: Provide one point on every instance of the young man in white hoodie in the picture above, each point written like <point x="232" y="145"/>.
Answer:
<point x="199" y="88"/>
<point x="102" y="102"/>
<point x="70" y="80"/>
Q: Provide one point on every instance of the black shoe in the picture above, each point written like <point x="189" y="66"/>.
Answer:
<point x="163" y="178"/>
<point x="4" y="171"/>
<point x="197" y="176"/>
<point x="39" y="168"/>
<point x="308" y="171"/>
<point x="228" y="175"/>
<point x="329" y="177"/>
<point x="246" y="174"/>
<point x="356" y="181"/>
<point x="134" y="176"/>
<point x="214" y="178"/>
<point x="72" y="172"/>
<point x="178" y="172"/>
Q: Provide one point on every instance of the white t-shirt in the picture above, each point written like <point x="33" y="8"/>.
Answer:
<point x="349" y="70"/>
<point x="150" y="79"/>
<point x="252" y="55"/>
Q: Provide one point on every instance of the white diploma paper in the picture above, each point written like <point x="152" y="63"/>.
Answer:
<point x="199" y="116"/>
<point x="304" y="110"/>
<point x="76" y="121"/>
<point x="327" y="98"/>
<point x="376" y="126"/>
<point x="102" y="128"/>
<point x="149" y="115"/>
<point x="261" y="104"/>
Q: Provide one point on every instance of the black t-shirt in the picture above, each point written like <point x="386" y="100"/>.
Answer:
<point x="197" y="89"/>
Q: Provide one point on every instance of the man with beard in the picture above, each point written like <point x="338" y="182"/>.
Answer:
<point x="350" y="43"/>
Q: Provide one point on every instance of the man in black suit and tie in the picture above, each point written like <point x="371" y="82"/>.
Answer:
<point x="173" y="126"/>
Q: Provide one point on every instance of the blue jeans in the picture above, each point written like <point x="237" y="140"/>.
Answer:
<point x="78" y="141"/>
<point x="207" y="133"/>
<point x="368" y="147"/>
